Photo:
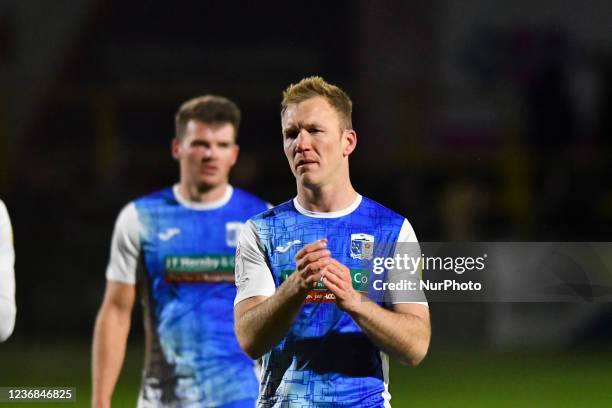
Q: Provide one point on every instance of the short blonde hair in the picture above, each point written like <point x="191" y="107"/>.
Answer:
<point x="316" y="86"/>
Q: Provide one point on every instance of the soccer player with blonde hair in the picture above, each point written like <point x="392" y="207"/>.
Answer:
<point x="299" y="304"/>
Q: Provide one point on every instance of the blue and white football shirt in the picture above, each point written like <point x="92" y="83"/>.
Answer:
<point x="187" y="253"/>
<point x="325" y="360"/>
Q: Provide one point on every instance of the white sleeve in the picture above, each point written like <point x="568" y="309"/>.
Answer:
<point x="253" y="276"/>
<point x="8" y="309"/>
<point x="407" y="235"/>
<point x="125" y="247"/>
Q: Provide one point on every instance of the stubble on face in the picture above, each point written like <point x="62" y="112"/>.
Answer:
<point x="206" y="155"/>
<point x="312" y="141"/>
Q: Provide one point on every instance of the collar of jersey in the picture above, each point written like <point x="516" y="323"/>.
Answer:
<point x="203" y="206"/>
<point x="333" y="214"/>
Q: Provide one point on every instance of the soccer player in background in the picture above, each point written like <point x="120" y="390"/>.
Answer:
<point x="7" y="276"/>
<point x="316" y="352"/>
<point x="184" y="237"/>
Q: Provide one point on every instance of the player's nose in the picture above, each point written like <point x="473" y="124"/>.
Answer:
<point x="303" y="141"/>
<point x="210" y="153"/>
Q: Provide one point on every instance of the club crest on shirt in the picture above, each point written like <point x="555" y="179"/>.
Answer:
<point x="232" y="232"/>
<point x="362" y="246"/>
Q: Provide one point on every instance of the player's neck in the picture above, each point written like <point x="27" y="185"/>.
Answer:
<point x="196" y="194"/>
<point x="329" y="198"/>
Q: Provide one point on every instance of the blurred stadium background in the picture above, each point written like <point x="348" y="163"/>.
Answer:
<point x="477" y="120"/>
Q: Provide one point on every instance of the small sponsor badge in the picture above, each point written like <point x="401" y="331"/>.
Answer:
<point x="238" y="265"/>
<point x="362" y="246"/>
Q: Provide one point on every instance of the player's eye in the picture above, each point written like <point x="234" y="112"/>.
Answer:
<point x="291" y="134"/>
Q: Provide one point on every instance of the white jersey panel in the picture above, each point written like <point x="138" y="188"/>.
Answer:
<point x="7" y="275"/>
<point x="125" y="247"/>
<point x="253" y="276"/>
<point x="406" y="234"/>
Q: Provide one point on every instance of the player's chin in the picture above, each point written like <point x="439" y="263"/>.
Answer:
<point x="308" y="179"/>
<point x="207" y="183"/>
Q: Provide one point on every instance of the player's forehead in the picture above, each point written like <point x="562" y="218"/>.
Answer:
<point x="196" y="129"/>
<point x="314" y="111"/>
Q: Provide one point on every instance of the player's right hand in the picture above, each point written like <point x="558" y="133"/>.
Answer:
<point x="309" y="261"/>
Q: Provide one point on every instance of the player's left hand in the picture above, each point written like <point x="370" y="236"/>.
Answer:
<point x="337" y="278"/>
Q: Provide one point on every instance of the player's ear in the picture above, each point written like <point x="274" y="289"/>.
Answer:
<point x="175" y="146"/>
<point x="236" y="152"/>
<point x="349" y="137"/>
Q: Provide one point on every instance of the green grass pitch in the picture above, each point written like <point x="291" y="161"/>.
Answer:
<point x="447" y="377"/>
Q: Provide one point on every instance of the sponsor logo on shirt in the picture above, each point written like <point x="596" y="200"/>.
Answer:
<point x="168" y="234"/>
<point x="203" y="268"/>
<point x="320" y="294"/>
<point x="288" y="245"/>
